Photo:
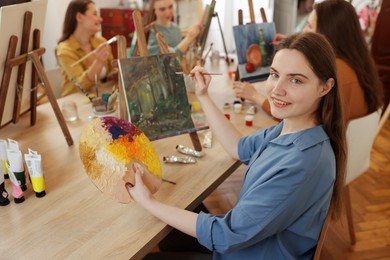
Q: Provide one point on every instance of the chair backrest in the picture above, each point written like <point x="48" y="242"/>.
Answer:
<point x="361" y="133"/>
<point x="321" y="240"/>
<point x="384" y="118"/>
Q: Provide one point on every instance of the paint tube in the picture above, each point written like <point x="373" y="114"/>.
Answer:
<point x="16" y="165"/>
<point x="32" y="151"/>
<point x="3" y="192"/>
<point x="189" y="151"/>
<point x="34" y="167"/>
<point x="17" y="192"/>
<point x="3" y="157"/>
<point x="208" y="139"/>
<point x="13" y="145"/>
<point x="176" y="159"/>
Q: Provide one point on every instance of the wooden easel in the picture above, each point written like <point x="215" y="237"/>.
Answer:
<point x="37" y="74"/>
<point x="143" y="50"/>
<point x="200" y="42"/>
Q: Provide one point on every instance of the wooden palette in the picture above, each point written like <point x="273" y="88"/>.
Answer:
<point x="109" y="149"/>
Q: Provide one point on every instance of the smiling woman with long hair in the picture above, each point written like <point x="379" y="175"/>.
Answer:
<point x="295" y="168"/>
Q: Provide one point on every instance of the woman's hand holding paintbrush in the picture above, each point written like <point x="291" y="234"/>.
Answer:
<point x="98" y="51"/>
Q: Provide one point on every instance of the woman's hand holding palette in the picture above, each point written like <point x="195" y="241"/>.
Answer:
<point x="110" y="148"/>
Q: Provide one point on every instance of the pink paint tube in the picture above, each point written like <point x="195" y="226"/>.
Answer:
<point x="16" y="165"/>
<point x="17" y="192"/>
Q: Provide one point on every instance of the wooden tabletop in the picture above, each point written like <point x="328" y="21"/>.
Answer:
<point x="75" y="220"/>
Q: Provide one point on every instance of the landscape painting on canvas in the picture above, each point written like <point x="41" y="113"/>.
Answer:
<point x="155" y="95"/>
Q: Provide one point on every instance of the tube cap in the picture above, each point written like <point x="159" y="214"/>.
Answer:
<point x="40" y="194"/>
<point x="23" y="187"/>
<point x="19" y="200"/>
<point x="4" y="201"/>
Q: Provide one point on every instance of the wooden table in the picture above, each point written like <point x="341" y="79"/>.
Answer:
<point x="75" y="220"/>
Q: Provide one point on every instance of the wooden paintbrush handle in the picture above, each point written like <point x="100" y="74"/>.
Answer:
<point x="240" y="17"/>
<point x="263" y="15"/>
<point x="113" y="39"/>
<point x="251" y="11"/>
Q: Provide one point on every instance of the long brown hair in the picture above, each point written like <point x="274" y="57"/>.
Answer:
<point x="338" y="21"/>
<point x="151" y="15"/>
<point x="70" y="22"/>
<point x="320" y="55"/>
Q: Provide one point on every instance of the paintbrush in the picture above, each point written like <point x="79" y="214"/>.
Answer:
<point x="171" y="182"/>
<point x="96" y="86"/>
<point x="113" y="39"/>
<point x="192" y="74"/>
<point x="81" y="89"/>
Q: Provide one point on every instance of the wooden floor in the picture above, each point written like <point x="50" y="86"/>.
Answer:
<point x="370" y="196"/>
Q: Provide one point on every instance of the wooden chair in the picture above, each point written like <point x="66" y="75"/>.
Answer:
<point x="384" y="118"/>
<point x="361" y="133"/>
<point x="324" y="230"/>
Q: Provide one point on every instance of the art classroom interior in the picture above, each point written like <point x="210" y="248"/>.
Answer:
<point x="65" y="156"/>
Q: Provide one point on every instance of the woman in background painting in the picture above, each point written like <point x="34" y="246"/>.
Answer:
<point x="360" y="87"/>
<point x="284" y="198"/>
<point x="81" y="23"/>
<point x="162" y="12"/>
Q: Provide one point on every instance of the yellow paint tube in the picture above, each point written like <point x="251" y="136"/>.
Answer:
<point x="34" y="166"/>
<point x="3" y="157"/>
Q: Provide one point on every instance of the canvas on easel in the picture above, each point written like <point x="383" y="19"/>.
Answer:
<point x="154" y="95"/>
<point x="18" y="92"/>
<point x="248" y="35"/>
<point x="157" y="100"/>
<point x="205" y="22"/>
<point x="11" y="23"/>
<point x="200" y="41"/>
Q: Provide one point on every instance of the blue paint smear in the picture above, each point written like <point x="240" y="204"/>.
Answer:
<point x="116" y="131"/>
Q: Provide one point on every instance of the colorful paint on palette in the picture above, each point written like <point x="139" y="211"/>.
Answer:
<point x="108" y="147"/>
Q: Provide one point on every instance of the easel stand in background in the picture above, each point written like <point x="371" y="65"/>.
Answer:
<point x="201" y="41"/>
<point x="223" y="39"/>
<point x="143" y="51"/>
<point x="38" y="73"/>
